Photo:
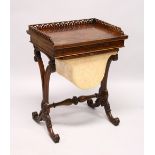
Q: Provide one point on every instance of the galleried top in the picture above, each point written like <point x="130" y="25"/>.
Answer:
<point x="75" y="33"/>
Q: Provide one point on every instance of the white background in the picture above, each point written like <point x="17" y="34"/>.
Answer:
<point x="81" y="129"/>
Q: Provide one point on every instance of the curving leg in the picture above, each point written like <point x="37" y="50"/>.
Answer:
<point x="45" y="77"/>
<point x="46" y="117"/>
<point x="103" y="93"/>
<point x="37" y="58"/>
<point x="55" y="137"/>
<point x="114" y="121"/>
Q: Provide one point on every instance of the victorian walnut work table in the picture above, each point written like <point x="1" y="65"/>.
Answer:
<point x="71" y="40"/>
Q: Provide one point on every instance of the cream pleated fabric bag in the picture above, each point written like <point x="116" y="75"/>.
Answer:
<point x="84" y="72"/>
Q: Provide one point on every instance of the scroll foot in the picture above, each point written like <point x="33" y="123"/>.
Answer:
<point x="114" y="121"/>
<point x="55" y="137"/>
<point x="36" y="117"/>
<point x="45" y="116"/>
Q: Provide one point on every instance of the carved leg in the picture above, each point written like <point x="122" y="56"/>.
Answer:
<point x="46" y="117"/>
<point x="45" y="77"/>
<point x="37" y="58"/>
<point x="114" y="121"/>
<point x="103" y="93"/>
<point x="105" y="103"/>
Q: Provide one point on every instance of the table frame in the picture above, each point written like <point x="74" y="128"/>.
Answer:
<point x="44" y="114"/>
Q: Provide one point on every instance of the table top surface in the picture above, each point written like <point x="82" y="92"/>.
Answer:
<point x="79" y="32"/>
<point x="84" y="35"/>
